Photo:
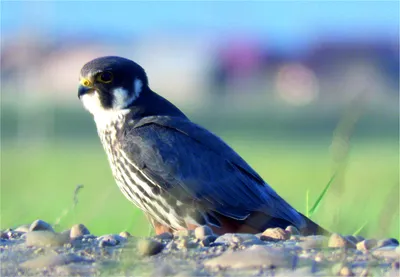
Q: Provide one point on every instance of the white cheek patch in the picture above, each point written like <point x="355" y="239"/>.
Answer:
<point x="122" y="99"/>
<point x="92" y="103"/>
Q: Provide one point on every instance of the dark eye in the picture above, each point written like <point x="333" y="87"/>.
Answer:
<point x="105" y="77"/>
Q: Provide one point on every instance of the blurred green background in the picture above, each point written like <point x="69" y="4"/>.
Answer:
<point x="294" y="88"/>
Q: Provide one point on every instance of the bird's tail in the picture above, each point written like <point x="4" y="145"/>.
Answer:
<point x="312" y="228"/>
<point x="258" y="222"/>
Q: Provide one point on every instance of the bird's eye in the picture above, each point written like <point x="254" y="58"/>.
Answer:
<point x="105" y="77"/>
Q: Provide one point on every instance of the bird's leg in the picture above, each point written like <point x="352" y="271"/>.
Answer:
<point x="158" y="227"/>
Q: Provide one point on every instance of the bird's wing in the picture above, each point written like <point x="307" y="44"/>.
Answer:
<point x="195" y="166"/>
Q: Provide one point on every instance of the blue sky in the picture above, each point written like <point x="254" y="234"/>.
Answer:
<point x="285" y="21"/>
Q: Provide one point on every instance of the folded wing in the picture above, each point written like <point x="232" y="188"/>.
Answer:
<point x="195" y="166"/>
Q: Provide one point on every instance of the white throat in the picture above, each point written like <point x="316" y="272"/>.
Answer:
<point x="104" y="118"/>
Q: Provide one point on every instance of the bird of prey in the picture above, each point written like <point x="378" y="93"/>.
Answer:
<point x="177" y="172"/>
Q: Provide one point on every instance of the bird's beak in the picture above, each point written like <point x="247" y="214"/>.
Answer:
<point x="83" y="90"/>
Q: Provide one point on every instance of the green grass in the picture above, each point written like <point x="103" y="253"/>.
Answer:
<point x="40" y="183"/>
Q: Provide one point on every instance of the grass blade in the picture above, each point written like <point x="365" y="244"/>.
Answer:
<point x="360" y="229"/>
<point x="307" y="202"/>
<point x="321" y="196"/>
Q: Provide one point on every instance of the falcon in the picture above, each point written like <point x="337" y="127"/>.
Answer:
<point x="178" y="173"/>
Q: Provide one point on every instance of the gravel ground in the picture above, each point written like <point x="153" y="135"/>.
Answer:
<point x="36" y="250"/>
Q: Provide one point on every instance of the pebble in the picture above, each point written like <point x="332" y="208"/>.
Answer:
<point x="125" y="234"/>
<point x="366" y="244"/>
<point x="338" y="241"/>
<point x="110" y="240"/>
<point x="311" y="242"/>
<point x="40" y="225"/>
<point x="208" y="240"/>
<point x="78" y="230"/>
<point x="13" y="235"/>
<point x="54" y="260"/>
<point x="273" y="234"/>
<point x="45" y="238"/>
<point x="387" y="242"/>
<point x="202" y="231"/>
<point x="391" y="252"/>
<point x="231" y="239"/>
<point x="23" y="228"/>
<point x="255" y="256"/>
<point x="346" y="271"/>
<point x="149" y="247"/>
<point x="292" y="230"/>
<point x="3" y="235"/>
<point x="66" y="232"/>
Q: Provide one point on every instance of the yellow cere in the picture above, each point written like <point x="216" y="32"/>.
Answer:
<point x="85" y="82"/>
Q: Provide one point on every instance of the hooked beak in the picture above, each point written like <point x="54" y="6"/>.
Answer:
<point x="83" y="90"/>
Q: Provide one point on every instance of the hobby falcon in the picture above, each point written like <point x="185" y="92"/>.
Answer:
<point x="177" y="172"/>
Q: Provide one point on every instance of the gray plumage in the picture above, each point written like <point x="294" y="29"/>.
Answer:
<point x="177" y="172"/>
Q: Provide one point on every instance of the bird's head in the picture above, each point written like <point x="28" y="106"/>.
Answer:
<point x="111" y="84"/>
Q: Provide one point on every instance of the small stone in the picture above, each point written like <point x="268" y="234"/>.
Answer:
<point x="45" y="238"/>
<point x="255" y="256"/>
<point x="202" y="231"/>
<point x="387" y="242"/>
<point x="165" y="236"/>
<point x="3" y="235"/>
<point x="208" y="240"/>
<point x="67" y="232"/>
<point x="338" y="241"/>
<point x="23" y="228"/>
<point x="295" y="237"/>
<point x="292" y="230"/>
<point x="149" y="247"/>
<point x="273" y="234"/>
<point x="125" y="234"/>
<point x="390" y="252"/>
<point x="110" y="240"/>
<point x="238" y="239"/>
<point x="346" y="271"/>
<point x="78" y="230"/>
<point x="313" y="242"/>
<point x="366" y="244"/>
<point x="54" y="260"/>
<point x="40" y="225"/>
<point x="14" y="234"/>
